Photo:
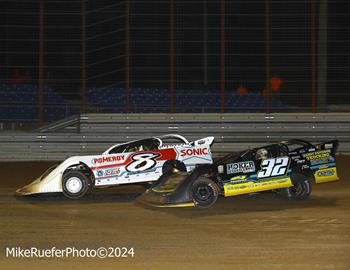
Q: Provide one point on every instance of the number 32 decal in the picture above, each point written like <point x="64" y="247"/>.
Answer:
<point x="273" y="167"/>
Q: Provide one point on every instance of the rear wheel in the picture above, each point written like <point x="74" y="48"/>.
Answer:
<point x="205" y="192"/>
<point x="301" y="188"/>
<point x="75" y="184"/>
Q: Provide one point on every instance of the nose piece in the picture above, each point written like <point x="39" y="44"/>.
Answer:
<point x="21" y="191"/>
<point x="28" y="189"/>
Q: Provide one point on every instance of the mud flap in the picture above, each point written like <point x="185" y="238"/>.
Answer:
<point x="325" y="171"/>
<point x="326" y="175"/>
<point x="173" y="189"/>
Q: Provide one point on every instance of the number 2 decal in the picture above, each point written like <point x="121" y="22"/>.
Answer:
<point x="273" y="167"/>
<point x="142" y="162"/>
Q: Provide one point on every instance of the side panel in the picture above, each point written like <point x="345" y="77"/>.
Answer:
<point x="144" y="166"/>
<point x="323" y="165"/>
<point x="319" y="162"/>
<point x="256" y="175"/>
<point x="130" y="167"/>
<point x="256" y="186"/>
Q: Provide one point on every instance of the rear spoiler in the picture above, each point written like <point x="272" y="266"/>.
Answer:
<point x="206" y="140"/>
<point x="333" y="145"/>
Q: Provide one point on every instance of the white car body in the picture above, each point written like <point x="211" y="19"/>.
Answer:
<point x="126" y="167"/>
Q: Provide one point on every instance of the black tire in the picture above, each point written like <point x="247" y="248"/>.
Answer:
<point x="205" y="192"/>
<point x="171" y="164"/>
<point x="301" y="188"/>
<point x="75" y="184"/>
<point x="91" y="184"/>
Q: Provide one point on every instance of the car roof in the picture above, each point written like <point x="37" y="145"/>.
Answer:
<point x="155" y="138"/>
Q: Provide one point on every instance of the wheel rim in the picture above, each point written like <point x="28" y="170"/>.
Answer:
<point x="74" y="184"/>
<point x="203" y="193"/>
<point x="296" y="190"/>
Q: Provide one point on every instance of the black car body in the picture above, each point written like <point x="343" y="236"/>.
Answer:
<point x="288" y="166"/>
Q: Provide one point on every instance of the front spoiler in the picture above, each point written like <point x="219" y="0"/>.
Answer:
<point x="171" y="190"/>
<point x="30" y="189"/>
<point x="39" y="186"/>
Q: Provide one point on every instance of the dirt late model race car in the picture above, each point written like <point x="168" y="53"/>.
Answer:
<point x="132" y="162"/>
<point x="288" y="167"/>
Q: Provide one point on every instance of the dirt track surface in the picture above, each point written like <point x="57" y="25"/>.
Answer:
<point x="261" y="231"/>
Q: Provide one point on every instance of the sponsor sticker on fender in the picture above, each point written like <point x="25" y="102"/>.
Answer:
<point x="194" y="152"/>
<point x="241" y="167"/>
<point x="108" y="172"/>
<point x="317" y="155"/>
<point x="325" y="173"/>
<point x="112" y="171"/>
<point x="103" y="160"/>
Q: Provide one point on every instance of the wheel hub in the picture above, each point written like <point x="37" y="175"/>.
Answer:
<point x="74" y="185"/>
<point x="203" y="193"/>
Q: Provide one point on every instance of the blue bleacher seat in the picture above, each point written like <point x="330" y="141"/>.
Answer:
<point x="20" y="103"/>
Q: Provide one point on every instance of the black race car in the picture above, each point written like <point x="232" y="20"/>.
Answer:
<point x="288" y="166"/>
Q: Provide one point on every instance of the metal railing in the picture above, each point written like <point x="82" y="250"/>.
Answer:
<point x="93" y="133"/>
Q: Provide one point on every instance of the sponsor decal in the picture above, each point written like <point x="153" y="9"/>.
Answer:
<point x="325" y="166"/>
<point x="317" y="155"/>
<point x="194" y="152"/>
<point x="231" y="190"/>
<point x="328" y="145"/>
<point x="238" y="181"/>
<point x="319" y="161"/>
<point x="99" y="173"/>
<point x="112" y="171"/>
<point x="329" y="172"/>
<point x="331" y="159"/>
<point x="142" y="172"/>
<point x="102" y="160"/>
<point x="240" y="167"/>
<point x="174" y="146"/>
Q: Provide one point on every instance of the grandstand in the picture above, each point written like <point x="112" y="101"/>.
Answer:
<point x="81" y="56"/>
<point x="18" y="102"/>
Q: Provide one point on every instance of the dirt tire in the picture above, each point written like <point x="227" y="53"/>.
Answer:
<point x="301" y="188"/>
<point x="75" y="184"/>
<point x="205" y="192"/>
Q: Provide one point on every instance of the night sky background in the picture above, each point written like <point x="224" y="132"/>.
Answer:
<point x="197" y="45"/>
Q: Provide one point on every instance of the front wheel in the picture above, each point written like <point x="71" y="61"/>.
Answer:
<point x="75" y="184"/>
<point x="301" y="188"/>
<point x="205" y="192"/>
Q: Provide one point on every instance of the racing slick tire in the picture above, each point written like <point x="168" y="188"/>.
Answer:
<point x="75" y="184"/>
<point x="205" y="192"/>
<point x="170" y="164"/>
<point x="301" y="188"/>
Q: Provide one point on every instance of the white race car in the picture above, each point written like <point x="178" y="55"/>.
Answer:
<point x="132" y="162"/>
